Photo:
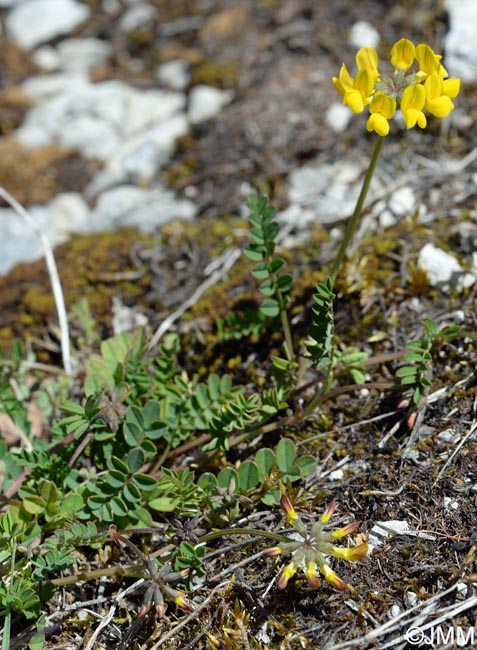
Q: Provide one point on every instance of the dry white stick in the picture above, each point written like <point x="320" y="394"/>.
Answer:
<point x="110" y="615"/>
<point x="228" y="259"/>
<point x="403" y="620"/>
<point x="52" y="272"/>
<point x="456" y="450"/>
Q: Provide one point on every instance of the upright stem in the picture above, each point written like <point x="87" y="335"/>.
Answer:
<point x="353" y="222"/>
<point x="286" y="328"/>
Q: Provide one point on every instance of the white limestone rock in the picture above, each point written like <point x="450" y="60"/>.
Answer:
<point x="139" y="158"/>
<point x="206" y="102"/>
<point x="47" y="57"/>
<point x="138" y="15"/>
<point x="33" y="22"/>
<point x="95" y="119"/>
<point x="23" y="244"/>
<point x="460" y="42"/>
<point x="68" y="213"/>
<point x="403" y="202"/>
<point x="82" y="54"/>
<point x="175" y="74"/>
<point x="330" y="190"/>
<point x="145" y="209"/>
<point x="363" y="34"/>
<point x="443" y="269"/>
<point x="338" y="116"/>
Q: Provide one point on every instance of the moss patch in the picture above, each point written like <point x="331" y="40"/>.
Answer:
<point x="34" y="176"/>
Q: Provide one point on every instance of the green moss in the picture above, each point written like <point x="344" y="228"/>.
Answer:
<point x="214" y="73"/>
<point x="86" y="264"/>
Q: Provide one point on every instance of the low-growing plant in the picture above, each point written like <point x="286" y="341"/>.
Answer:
<point x="106" y="471"/>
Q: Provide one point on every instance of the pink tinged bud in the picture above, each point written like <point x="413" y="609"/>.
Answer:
<point x="312" y="575"/>
<point x="326" y="516"/>
<point x="332" y="578"/>
<point x="287" y="573"/>
<point x="159" y="602"/>
<point x="145" y="609"/>
<point x="273" y="551"/>
<point x="411" y="420"/>
<point x="182" y="602"/>
<point x="346" y="530"/>
<point x="288" y="509"/>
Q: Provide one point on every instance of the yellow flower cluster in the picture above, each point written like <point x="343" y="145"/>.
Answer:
<point x="430" y="88"/>
<point x="310" y="548"/>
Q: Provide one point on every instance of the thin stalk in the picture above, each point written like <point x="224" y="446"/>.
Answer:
<point x="8" y="612"/>
<point x="286" y="328"/>
<point x="354" y="220"/>
<point x="53" y="274"/>
<point x="276" y="537"/>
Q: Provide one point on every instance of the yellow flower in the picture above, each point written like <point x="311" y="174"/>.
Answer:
<point x="429" y="62"/>
<point x="382" y="109"/>
<point x="412" y="103"/>
<point x="367" y="59"/>
<point x="437" y="103"/>
<point x="310" y="547"/>
<point x="355" y="92"/>
<point x="363" y="85"/>
<point x="427" y="89"/>
<point x="287" y="573"/>
<point x="402" y="54"/>
<point x="331" y="576"/>
<point x="345" y="81"/>
<point x="312" y="575"/>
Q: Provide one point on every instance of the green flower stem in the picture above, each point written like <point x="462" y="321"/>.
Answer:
<point x="289" y="351"/>
<point x="243" y="531"/>
<point x="353" y="222"/>
<point x="8" y="609"/>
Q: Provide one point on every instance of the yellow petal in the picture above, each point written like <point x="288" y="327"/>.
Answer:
<point x="330" y="508"/>
<point x="367" y="59"/>
<point x="451" y="87"/>
<point x="331" y="576"/>
<point x="355" y="100"/>
<point x="436" y="103"/>
<point x="429" y="61"/>
<point x="402" y="54"/>
<point x="378" y="123"/>
<point x="433" y="86"/>
<point x="289" y="510"/>
<point x="344" y="82"/>
<point x="287" y="573"/>
<point x="412" y="117"/>
<point x="440" y="106"/>
<point x="352" y="554"/>
<point x="413" y="97"/>
<point x="364" y="82"/>
<point x="346" y="530"/>
<point x="382" y="103"/>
